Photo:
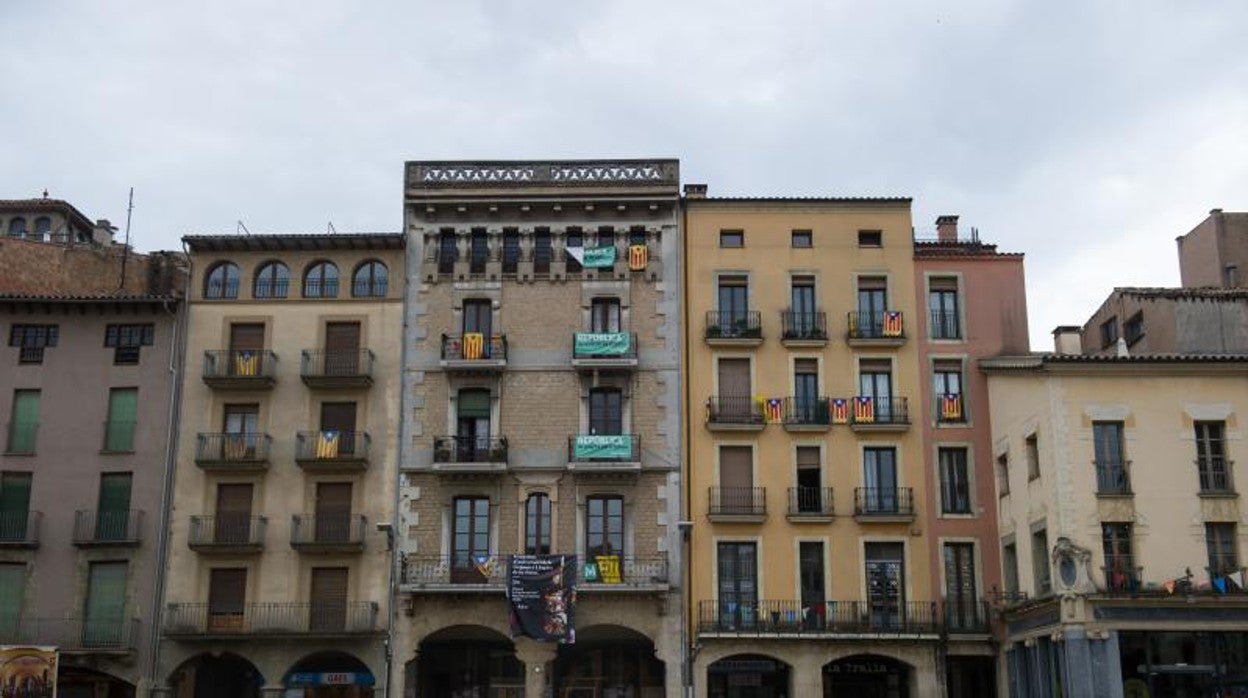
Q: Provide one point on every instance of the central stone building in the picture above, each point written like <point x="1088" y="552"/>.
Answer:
<point x="541" y="415"/>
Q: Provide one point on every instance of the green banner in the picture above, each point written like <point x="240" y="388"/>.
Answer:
<point x="616" y="446"/>
<point x="599" y="257"/>
<point x="603" y="343"/>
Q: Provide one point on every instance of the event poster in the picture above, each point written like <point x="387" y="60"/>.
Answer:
<point x="28" y="672"/>
<point x="541" y="591"/>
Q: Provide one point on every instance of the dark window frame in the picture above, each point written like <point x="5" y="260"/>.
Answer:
<point x="955" y="487"/>
<point x="320" y="279"/>
<point x="127" y="341"/>
<point x="272" y="280"/>
<point x="221" y="281"/>
<point x="32" y="339"/>
<point x="732" y="239"/>
<point x="376" y="281"/>
<point x="608" y="508"/>
<point x="537" y="524"/>
<point x="801" y="239"/>
<point x="870" y="238"/>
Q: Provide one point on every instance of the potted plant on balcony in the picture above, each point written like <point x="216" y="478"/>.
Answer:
<point x="442" y="451"/>
<point x="498" y="453"/>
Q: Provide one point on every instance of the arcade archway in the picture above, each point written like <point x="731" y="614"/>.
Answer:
<point x="608" y="660"/>
<point x="221" y="676"/>
<point x="78" y="682"/>
<point x="467" y="660"/>
<point x="866" y="676"/>
<point x="748" y="676"/>
<point x="330" y="675"/>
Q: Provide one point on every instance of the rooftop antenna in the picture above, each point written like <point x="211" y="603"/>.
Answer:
<point x="331" y="229"/>
<point x="241" y="229"/>
<point x="125" y="251"/>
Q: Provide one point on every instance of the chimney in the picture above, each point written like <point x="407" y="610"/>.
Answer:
<point x="947" y="228"/>
<point x="1067" y="339"/>
<point x="102" y="233"/>
<point x="695" y="191"/>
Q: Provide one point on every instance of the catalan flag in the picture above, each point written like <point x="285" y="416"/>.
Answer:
<point x="474" y="345"/>
<point x="246" y="363"/>
<point x="892" y="323"/>
<point x="864" y="409"/>
<point x="951" y="407"/>
<point x="327" y="444"/>
<point x="840" y="411"/>
<point x="773" y="410"/>
<point x="637" y="257"/>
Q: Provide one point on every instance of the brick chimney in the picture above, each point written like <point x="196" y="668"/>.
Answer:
<point x="947" y="228"/>
<point x="1068" y="339"/>
<point x="695" y="191"/>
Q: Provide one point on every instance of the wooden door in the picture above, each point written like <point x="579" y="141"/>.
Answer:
<point x="735" y="401"/>
<point x="227" y="595"/>
<point x="333" y="512"/>
<point x="339" y="417"/>
<point x="233" y="514"/>
<point x="342" y="348"/>
<point x="329" y="599"/>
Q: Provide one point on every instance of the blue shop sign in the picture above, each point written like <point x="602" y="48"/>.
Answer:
<point x="330" y="678"/>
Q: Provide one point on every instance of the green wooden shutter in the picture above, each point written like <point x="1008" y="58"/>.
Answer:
<point x="106" y="604"/>
<point x="12" y="592"/>
<point x="14" y="505"/>
<point x="113" y="513"/>
<point x="122" y="410"/>
<point x="474" y="403"/>
<point x="24" y="421"/>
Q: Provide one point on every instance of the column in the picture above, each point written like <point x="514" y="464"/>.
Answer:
<point x="538" y="659"/>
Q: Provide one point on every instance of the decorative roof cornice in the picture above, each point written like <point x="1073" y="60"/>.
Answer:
<point x="295" y="241"/>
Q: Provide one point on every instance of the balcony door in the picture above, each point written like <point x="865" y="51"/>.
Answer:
<point x="875" y="380"/>
<point x="478" y="317"/>
<point x="233" y="513"/>
<point x="604" y="315"/>
<point x="734" y="306"/>
<point x="806" y="392"/>
<point x="736" y="479"/>
<point x="961" y="597"/>
<point x="14" y="506"/>
<point x="606" y="411"/>
<point x="339" y="417"/>
<point x="472" y="426"/>
<point x="736" y="402"/>
<point x="227" y="594"/>
<point x="328" y="610"/>
<point x="333" y="512"/>
<point x="872" y="304"/>
<point x="104" y="616"/>
<point x="12" y="597"/>
<point x="886" y="583"/>
<point x="810" y="567"/>
<point x="470" y="539"/>
<point x="802" y="307"/>
<point x="738" y="585"/>
<point x="112" y="516"/>
<point x="879" y="480"/>
<point x="241" y="424"/>
<point x="342" y="348"/>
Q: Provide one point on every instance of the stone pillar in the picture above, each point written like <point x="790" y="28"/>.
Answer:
<point x="524" y="268"/>
<point x="538" y="659"/>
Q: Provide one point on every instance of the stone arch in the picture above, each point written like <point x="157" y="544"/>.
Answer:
<point x="762" y="670"/>
<point x="72" y="677"/>
<point x="225" y="675"/>
<point x="631" y="655"/>
<point x="465" y="658"/>
<point x="348" y="670"/>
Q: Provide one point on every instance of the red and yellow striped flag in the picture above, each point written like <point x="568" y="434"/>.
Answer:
<point x="864" y="410"/>
<point x="637" y="257"/>
<point x="474" y="345"/>
<point x="892" y="323"/>
<point x="951" y="406"/>
<point x="773" y="410"/>
<point x="840" y="411"/>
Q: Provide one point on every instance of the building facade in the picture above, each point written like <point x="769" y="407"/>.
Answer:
<point x="973" y="305"/>
<point x="1168" y="321"/>
<point x="541" y="418"/>
<point x="87" y="389"/>
<point x="281" y="517"/>
<point x="1215" y="252"/>
<point x="808" y="476"/>
<point x="1121" y="529"/>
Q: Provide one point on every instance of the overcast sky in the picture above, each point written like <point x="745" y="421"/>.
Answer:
<point x="1085" y="134"/>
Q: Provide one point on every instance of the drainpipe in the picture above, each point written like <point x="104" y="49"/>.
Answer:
<point x="393" y="535"/>
<point x="177" y="353"/>
<point x="686" y="503"/>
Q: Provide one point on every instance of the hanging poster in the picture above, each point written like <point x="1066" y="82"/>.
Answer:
<point x="29" y="672"/>
<point x="541" y="591"/>
<point x="602" y="343"/>
<point x="599" y="257"/>
<point x="606" y="446"/>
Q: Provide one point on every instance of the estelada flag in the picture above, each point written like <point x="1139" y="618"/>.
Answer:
<point x="327" y="445"/>
<point x="246" y="364"/>
<point x="840" y="411"/>
<point x="892" y="323"/>
<point x="773" y="409"/>
<point x="637" y="257"/>
<point x="951" y="406"/>
<point x="864" y="409"/>
<point x="474" y="345"/>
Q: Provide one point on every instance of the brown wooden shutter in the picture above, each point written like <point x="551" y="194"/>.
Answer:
<point x="807" y="457"/>
<point x="338" y="416"/>
<point x="329" y="598"/>
<point x="735" y="467"/>
<point x="342" y="348"/>
<point x="233" y="514"/>
<point x="247" y="336"/>
<point x="227" y="593"/>
<point x="734" y="378"/>
<point x="333" y="511"/>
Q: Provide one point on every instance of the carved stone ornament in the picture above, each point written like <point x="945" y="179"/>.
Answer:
<point x="1073" y="564"/>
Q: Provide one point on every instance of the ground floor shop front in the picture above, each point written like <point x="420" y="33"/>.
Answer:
<point x="274" y="669"/>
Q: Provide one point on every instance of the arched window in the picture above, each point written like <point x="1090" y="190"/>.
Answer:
<point x="222" y="281"/>
<point x="43" y="228"/>
<point x="371" y="279"/>
<point x="321" y="281"/>
<point x="17" y="227"/>
<point x="537" y="524"/>
<point x="272" y="281"/>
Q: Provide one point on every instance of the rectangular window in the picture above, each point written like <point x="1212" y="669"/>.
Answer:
<point x="105" y="612"/>
<point x="1120" y="573"/>
<point x="1040" y="561"/>
<point x="1222" y="548"/>
<point x="542" y="251"/>
<point x="955" y="485"/>
<point x="328" y="594"/>
<point x="511" y="250"/>
<point x="1003" y="474"/>
<point x="1111" y="466"/>
<point x="112" y="515"/>
<point x="604" y="315"/>
<point x="333" y="512"/>
<point x="886" y="583"/>
<point x="448" y="251"/>
<point x="1009" y="564"/>
<point x="809" y="494"/>
<point x="942" y="306"/>
<point x="1109" y="332"/>
<point x="735" y="494"/>
<point x="478" y="316"/>
<point x="227" y="598"/>
<point x="811" y="573"/>
<point x="537" y="524"/>
<point x="123" y="405"/>
<point x="870" y="238"/>
<point x="470" y="537"/>
<point x="604" y="526"/>
<point x="803" y="320"/>
<point x="962" y="610"/>
<point x="1211" y="462"/>
<point x="875" y="380"/>
<point x="12" y="596"/>
<point x="732" y="238"/>
<point x="1133" y="328"/>
<point x="879" y="480"/>
<point x="947" y="386"/>
<point x="737" y="567"/>
<point x="1032" y="445"/>
<point x="33" y="339"/>
<point x="802" y="239"/>
<point x="128" y="340"/>
<point x="574" y="239"/>
<point x="23" y="422"/>
<point x="606" y="411"/>
<point x="807" y="407"/>
<point x="479" y="251"/>
<point x="233" y="512"/>
<point x="14" y="506"/>
<point x="868" y="321"/>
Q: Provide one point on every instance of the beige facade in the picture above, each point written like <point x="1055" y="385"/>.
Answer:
<point x="809" y="550"/>
<point x="519" y="440"/>
<point x="285" y="485"/>
<point x="1120" y="522"/>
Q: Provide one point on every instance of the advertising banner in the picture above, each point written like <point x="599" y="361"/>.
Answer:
<point x="29" y="672"/>
<point x="605" y="569"/>
<point x="603" y="343"/>
<point x="541" y="591"/>
<point x="612" y="446"/>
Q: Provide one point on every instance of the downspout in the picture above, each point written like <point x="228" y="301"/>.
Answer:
<point x="393" y="536"/>
<point x="177" y="350"/>
<point x="687" y="503"/>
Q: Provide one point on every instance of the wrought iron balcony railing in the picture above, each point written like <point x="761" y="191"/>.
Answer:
<point x="966" y="616"/>
<point x="868" y="411"/>
<point x="768" y="617"/>
<point x="1215" y="475"/>
<point x="92" y="528"/>
<point x="737" y="501"/>
<point x="876" y="324"/>
<point x="20" y="529"/>
<point x="472" y="346"/>
<point x="734" y="411"/>
<point x="810" y="501"/>
<point x="249" y="449"/>
<point x="76" y="635"/>
<point x="883" y="501"/>
<point x="469" y="449"/>
<point x="1122" y="574"/>
<point x="460" y="570"/>
<point x="227" y="533"/>
<point x="328" y="532"/>
<point x="330" y="448"/>
<point x="806" y="411"/>
<point x="1113" y="477"/>
<point x="280" y="619"/>
<point x="804" y="326"/>
<point x="738" y="324"/>
<point x="336" y="368"/>
<point x="240" y="368"/>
